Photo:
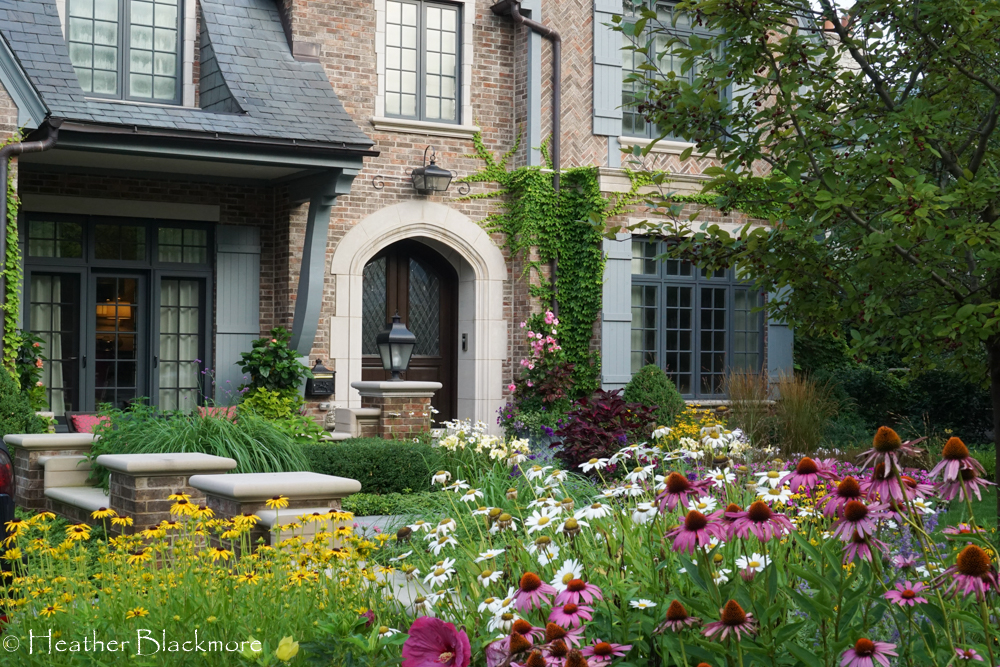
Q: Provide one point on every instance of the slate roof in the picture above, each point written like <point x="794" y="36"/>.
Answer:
<point x="280" y="98"/>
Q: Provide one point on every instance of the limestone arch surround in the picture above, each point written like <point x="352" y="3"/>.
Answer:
<point x="482" y="273"/>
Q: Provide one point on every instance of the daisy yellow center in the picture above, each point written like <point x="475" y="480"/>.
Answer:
<point x="775" y="492"/>
<point x="543" y="520"/>
<point x="638" y="469"/>
<point x="438" y="572"/>
<point x="593" y="462"/>
<point x="753" y="563"/>
<point x="568" y="577"/>
<point x="487" y="574"/>
<point x="595" y="506"/>
<point x="571" y="524"/>
<point x="773" y="474"/>
<point x="382" y="629"/>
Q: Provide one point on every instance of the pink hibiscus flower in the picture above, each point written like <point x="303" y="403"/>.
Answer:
<point x="434" y="643"/>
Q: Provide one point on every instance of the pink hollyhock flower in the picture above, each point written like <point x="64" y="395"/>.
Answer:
<point x="967" y="654"/>
<point x="847" y="490"/>
<point x="578" y="591"/>
<point x="571" y="615"/>
<point x="732" y="620"/>
<point x="697" y="531"/>
<point x="533" y="593"/>
<point x="969" y="482"/>
<point x="972" y="572"/>
<point x="434" y="643"/>
<point x="677" y="618"/>
<point x="807" y="475"/>
<point x="886" y="445"/>
<point x="602" y="653"/>
<point x="678" y="488"/>
<point x="760" y="520"/>
<point x="865" y="652"/>
<point x="955" y="458"/>
<point x="856" y="517"/>
<point x="906" y="594"/>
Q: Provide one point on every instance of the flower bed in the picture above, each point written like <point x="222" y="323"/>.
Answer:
<point x="669" y="553"/>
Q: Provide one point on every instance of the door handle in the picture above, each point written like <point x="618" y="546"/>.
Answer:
<point x="156" y="361"/>
<point x="84" y="361"/>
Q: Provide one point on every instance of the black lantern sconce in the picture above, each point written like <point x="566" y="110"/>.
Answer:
<point x="322" y="382"/>
<point x="395" y="346"/>
<point x="430" y="178"/>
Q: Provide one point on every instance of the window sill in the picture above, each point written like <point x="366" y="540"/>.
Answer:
<point x="160" y="105"/>
<point x="430" y="128"/>
<point x="668" y="146"/>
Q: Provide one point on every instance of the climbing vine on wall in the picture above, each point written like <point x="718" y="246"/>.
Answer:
<point x="538" y="225"/>
<point x="10" y="301"/>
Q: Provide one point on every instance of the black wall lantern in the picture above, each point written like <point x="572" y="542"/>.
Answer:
<point x="430" y="177"/>
<point x="395" y="345"/>
<point x="322" y="381"/>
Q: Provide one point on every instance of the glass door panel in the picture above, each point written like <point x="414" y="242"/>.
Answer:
<point x="54" y="316"/>
<point x="119" y="352"/>
<point x="180" y="343"/>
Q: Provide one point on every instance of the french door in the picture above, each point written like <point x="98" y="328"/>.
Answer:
<point x="117" y="358"/>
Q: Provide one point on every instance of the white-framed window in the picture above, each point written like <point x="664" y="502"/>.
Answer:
<point x="424" y="63"/>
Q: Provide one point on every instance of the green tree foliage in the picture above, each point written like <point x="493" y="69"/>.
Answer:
<point x="653" y="388"/>
<point x="873" y="141"/>
<point x="16" y="415"/>
<point x="272" y="364"/>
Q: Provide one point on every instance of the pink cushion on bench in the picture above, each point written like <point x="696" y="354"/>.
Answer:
<point x="86" y="423"/>
<point x="228" y="413"/>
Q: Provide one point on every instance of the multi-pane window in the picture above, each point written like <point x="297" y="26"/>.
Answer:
<point x="421" y="60"/>
<point x="694" y="324"/>
<point x="55" y="239"/>
<point x="127" y="49"/>
<point x="669" y="23"/>
<point x="182" y="246"/>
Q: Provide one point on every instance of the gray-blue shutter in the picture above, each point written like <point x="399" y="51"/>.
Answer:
<point x="237" y="314"/>
<point x="607" y="70"/>
<point x="616" y="315"/>
<point x="779" y="346"/>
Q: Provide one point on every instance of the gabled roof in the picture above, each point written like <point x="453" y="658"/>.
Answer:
<point x="266" y="93"/>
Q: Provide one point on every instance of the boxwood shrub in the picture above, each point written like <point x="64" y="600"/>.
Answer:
<point x="382" y="466"/>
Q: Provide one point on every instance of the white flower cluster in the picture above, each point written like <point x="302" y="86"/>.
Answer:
<point x="459" y="435"/>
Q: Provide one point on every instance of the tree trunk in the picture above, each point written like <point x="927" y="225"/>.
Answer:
<point x="993" y="357"/>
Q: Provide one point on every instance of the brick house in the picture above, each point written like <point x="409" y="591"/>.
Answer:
<point x="221" y="167"/>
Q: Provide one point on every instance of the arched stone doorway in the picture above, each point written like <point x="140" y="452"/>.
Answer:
<point x="482" y="276"/>
<point x="417" y="282"/>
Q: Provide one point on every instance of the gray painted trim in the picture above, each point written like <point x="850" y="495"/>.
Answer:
<point x="533" y="10"/>
<point x="31" y="111"/>
<point x="607" y="102"/>
<point x="616" y="323"/>
<point x="119" y="207"/>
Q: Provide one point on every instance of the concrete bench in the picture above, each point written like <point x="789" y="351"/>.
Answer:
<point x="141" y="483"/>
<point x="248" y="493"/>
<point x="29" y="474"/>
<point x="69" y="470"/>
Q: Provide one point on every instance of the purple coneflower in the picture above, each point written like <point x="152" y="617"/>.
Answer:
<point x="915" y="489"/>
<point x="571" y="615"/>
<point x="955" y="458"/>
<point x="972" y="573"/>
<point x="887" y="445"/>
<point x="905" y="594"/>
<point x="857" y="518"/>
<point x="572" y="636"/>
<point x="678" y="488"/>
<point x="967" y="654"/>
<point x="732" y="619"/>
<point x="577" y="591"/>
<point x="865" y="652"/>
<point x="602" y="653"/>
<point x="884" y="484"/>
<point x="904" y="563"/>
<point x="861" y="547"/>
<point x="523" y="627"/>
<point x="847" y="490"/>
<point x="969" y="482"/>
<point x="760" y="520"/>
<point x="962" y="529"/>
<point x="807" y="474"/>
<point x="533" y="593"/>
<point x="677" y="618"/>
<point x="697" y="531"/>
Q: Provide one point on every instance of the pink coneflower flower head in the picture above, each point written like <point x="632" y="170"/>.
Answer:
<point x="857" y="518"/>
<point x="846" y="490"/>
<point x="760" y="520"/>
<point x="887" y="447"/>
<point x="967" y="654"/>
<point x="525" y="628"/>
<point x="861" y="547"/>
<point x="533" y="593"/>
<point x="572" y="636"/>
<point x="578" y="591"/>
<point x="697" y="531"/>
<point x="732" y="619"/>
<point x="806" y="475"/>
<point x="884" y="485"/>
<point x="571" y="615"/>
<point x="906" y="594"/>
<point x="602" y="653"/>
<point x="678" y="488"/>
<point x="962" y="529"/>
<point x="955" y="458"/>
<point x="968" y="481"/>
<point x="904" y="563"/>
<point x="972" y="573"/>
<point x="434" y="643"/>
<point x="677" y="618"/>
<point x="865" y="653"/>
<point x="915" y="489"/>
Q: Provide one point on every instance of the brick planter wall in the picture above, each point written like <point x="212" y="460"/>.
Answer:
<point x="145" y="499"/>
<point x="403" y="417"/>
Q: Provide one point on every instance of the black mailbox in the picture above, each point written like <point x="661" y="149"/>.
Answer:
<point x="322" y="381"/>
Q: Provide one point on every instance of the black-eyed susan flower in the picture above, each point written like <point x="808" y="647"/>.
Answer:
<point x="218" y="552"/>
<point x="250" y="577"/>
<point x="138" y="612"/>
<point x="103" y="513"/>
<point x="51" y="609"/>
<point x="121" y="521"/>
<point x="78" y="531"/>
<point x="277" y="503"/>
<point x="139" y="557"/>
<point x="202" y="512"/>
<point x="182" y="505"/>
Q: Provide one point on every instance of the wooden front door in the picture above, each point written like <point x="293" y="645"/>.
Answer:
<point x="418" y="283"/>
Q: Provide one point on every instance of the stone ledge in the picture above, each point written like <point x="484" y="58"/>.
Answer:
<point x="251" y="487"/>
<point x="90" y="498"/>
<point x="397" y="388"/>
<point x="172" y="465"/>
<point x="50" y="442"/>
<point x="431" y="128"/>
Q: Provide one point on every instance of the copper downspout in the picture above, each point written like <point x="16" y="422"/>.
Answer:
<point x="7" y="152"/>
<point x="512" y="8"/>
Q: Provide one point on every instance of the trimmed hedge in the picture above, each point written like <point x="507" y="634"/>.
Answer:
<point x="382" y="466"/>
<point x="16" y="415"/>
<point x="652" y="387"/>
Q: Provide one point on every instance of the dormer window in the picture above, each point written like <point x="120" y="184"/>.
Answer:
<point x="126" y="49"/>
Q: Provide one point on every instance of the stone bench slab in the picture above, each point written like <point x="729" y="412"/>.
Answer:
<point x="258" y="487"/>
<point x="70" y="470"/>
<point x="50" y="442"/>
<point x="178" y="464"/>
<point x="89" y="498"/>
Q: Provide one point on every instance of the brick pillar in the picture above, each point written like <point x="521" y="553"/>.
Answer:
<point x="405" y="406"/>
<point x="29" y="476"/>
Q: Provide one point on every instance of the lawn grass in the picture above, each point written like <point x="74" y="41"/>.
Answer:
<point x="985" y="510"/>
